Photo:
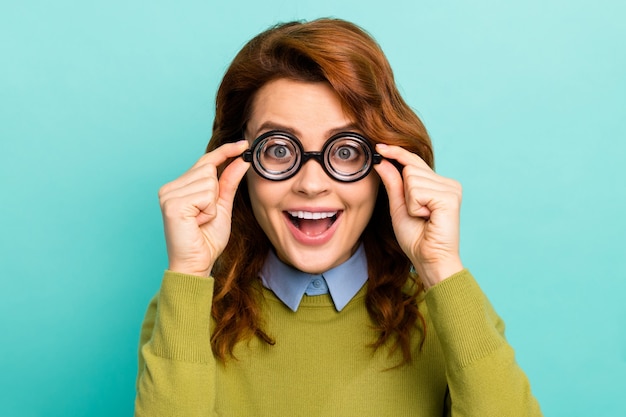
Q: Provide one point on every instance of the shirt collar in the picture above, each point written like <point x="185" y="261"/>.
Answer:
<point x="290" y="284"/>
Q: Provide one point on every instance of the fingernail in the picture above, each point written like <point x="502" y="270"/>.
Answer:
<point x="381" y="146"/>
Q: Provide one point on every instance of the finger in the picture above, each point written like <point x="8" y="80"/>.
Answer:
<point x="206" y="166"/>
<point x="402" y="191"/>
<point x="181" y="189"/>
<point x="222" y="154"/>
<point x="199" y="173"/>
<point x="229" y="181"/>
<point x="413" y="178"/>
<point x="205" y="184"/>
<point x="227" y="187"/>
<point x="420" y="197"/>
<point x="428" y="175"/>
<point x="401" y="155"/>
<point x="414" y="165"/>
<point x="198" y="207"/>
<point x="420" y="201"/>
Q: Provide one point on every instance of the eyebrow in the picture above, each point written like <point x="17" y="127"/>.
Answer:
<point x="269" y="125"/>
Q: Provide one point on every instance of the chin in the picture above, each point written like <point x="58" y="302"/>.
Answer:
<point x="314" y="260"/>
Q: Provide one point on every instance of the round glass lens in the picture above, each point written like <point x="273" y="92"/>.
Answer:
<point x="347" y="158"/>
<point x="277" y="156"/>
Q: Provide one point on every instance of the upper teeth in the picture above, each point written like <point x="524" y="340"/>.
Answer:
<point x="312" y="216"/>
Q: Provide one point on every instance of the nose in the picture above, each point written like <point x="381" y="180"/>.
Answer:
<point x="311" y="180"/>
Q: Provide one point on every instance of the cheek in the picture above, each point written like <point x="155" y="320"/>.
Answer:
<point x="253" y="187"/>
<point x="256" y="194"/>
<point x="265" y="196"/>
<point x="370" y="191"/>
<point x="361" y="197"/>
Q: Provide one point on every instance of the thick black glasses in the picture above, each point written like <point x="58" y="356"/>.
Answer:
<point x="345" y="157"/>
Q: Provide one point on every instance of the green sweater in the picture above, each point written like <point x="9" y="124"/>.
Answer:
<point x="321" y="364"/>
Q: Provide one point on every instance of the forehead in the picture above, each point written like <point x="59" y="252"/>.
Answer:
<point x="311" y="111"/>
<point x="280" y="137"/>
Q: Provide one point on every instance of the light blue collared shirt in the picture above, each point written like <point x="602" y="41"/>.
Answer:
<point x="290" y="284"/>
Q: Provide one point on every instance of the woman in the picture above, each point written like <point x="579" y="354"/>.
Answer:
<point x="325" y="287"/>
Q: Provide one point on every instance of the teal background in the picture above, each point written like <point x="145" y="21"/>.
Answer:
<point x="102" y="102"/>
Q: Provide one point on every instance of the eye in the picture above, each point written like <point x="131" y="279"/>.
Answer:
<point x="346" y="153"/>
<point x="278" y="151"/>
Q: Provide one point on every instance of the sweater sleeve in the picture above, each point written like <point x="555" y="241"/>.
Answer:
<point x="483" y="377"/>
<point x="176" y="365"/>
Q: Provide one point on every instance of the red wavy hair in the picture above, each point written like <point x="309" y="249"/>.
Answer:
<point x="345" y="56"/>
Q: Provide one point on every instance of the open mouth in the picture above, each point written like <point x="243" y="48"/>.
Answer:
<point x="312" y="223"/>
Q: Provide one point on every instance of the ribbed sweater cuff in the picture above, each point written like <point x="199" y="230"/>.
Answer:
<point x="464" y="320"/>
<point x="183" y="318"/>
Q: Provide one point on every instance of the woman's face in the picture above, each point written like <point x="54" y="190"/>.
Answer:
<point x="313" y="221"/>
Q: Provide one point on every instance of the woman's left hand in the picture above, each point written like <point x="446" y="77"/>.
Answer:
<point x="425" y="211"/>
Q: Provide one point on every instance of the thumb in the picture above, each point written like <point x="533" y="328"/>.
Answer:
<point x="229" y="181"/>
<point x="394" y="184"/>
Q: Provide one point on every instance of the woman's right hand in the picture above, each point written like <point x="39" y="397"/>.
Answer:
<point x="197" y="210"/>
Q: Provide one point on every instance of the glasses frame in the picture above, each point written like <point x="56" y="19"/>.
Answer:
<point x="252" y="155"/>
